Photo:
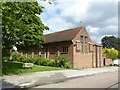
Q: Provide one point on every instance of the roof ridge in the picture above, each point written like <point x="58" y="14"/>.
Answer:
<point x="65" y="35"/>
<point x="63" y="30"/>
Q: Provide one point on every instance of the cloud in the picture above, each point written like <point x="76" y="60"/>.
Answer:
<point x="97" y="33"/>
<point x="93" y="30"/>
<point x="100" y="18"/>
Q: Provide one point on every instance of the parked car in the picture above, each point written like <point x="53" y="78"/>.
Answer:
<point x="116" y="62"/>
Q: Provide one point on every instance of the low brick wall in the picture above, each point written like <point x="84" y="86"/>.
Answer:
<point x="108" y="62"/>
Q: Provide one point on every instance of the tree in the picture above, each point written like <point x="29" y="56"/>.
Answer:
<point x="21" y="25"/>
<point x="110" y="42"/>
<point x="111" y="53"/>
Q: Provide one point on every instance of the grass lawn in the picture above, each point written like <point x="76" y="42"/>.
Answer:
<point x="15" y="68"/>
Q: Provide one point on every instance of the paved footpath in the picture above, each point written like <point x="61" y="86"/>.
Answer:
<point x="42" y="78"/>
<point x="105" y="80"/>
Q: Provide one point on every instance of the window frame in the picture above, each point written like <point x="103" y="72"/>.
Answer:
<point x="53" y="50"/>
<point x="64" y="49"/>
<point x="81" y="38"/>
<point x="86" y="39"/>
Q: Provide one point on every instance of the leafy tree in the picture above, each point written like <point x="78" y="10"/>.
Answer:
<point x="110" y="42"/>
<point x="118" y="43"/>
<point x="21" y="25"/>
<point x="111" y="53"/>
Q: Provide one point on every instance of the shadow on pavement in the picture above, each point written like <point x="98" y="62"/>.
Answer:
<point x="6" y="86"/>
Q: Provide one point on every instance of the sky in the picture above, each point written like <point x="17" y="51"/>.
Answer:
<point x="100" y="17"/>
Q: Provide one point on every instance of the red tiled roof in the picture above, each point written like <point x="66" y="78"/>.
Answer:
<point x="66" y="35"/>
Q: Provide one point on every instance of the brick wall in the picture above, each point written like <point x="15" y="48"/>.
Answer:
<point x="82" y="58"/>
<point x="108" y="62"/>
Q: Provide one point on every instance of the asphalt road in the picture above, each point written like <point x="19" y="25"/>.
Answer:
<point x="103" y="80"/>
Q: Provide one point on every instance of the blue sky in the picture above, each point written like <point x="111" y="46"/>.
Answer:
<point x="100" y="18"/>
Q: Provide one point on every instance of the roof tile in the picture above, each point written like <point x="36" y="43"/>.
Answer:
<point x="66" y="35"/>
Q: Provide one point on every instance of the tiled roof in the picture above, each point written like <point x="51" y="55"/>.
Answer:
<point x="66" y="35"/>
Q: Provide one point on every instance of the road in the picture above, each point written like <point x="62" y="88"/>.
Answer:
<point x="103" y="80"/>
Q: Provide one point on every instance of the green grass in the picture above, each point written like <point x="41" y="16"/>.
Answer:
<point x="15" y="68"/>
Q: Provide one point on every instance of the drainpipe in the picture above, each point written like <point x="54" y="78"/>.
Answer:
<point x="92" y="55"/>
<point x="100" y="56"/>
<point x="92" y="59"/>
<point x="96" y="57"/>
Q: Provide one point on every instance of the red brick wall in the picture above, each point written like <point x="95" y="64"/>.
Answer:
<point x="58" y="47"/>
<point x="81" y="59"/>
<point x="108" y="62"/>
<point x="93" y="57"/>
<point x="78" y="58"/>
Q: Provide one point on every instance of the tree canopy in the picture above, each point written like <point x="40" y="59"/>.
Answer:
<point x="110" y="42"/>
<point x="21" y="25"/>
<point x="111" y="53"/>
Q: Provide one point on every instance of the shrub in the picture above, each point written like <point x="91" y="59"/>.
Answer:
<point x="5" y="59"/>
<point x="37" y="61"/>
<point x="62" y="62"/>
<point x="33" y="60"/>
<point x="15" y="56"/>
<point x="59" y="60"/>
<point x="111" y="53"/>
<point x="42" y="61"/>
<point x="27" y="60"/>
<point x="68" y="65"/>
<point x="50" y="62"/>
<point x="21" y="58"/>
<point x="18" y="57"/>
